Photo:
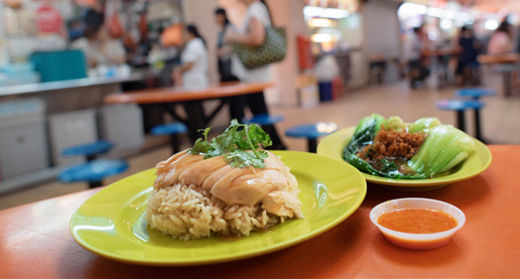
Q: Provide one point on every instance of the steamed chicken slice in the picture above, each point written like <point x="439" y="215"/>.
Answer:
<point x="282" y="203"/>
<point x="198" y="172"/>
<point x="231" y="192"/>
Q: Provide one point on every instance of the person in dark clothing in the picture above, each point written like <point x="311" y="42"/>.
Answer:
<point x="468" y="46"/>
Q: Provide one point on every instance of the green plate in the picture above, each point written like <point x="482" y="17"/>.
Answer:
<point x="110" y="223"/>
<point x="333" y="145"/>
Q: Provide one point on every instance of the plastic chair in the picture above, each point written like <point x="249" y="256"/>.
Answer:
<point x="312" y="132"/>
<point x="93" y="172"/>
<point x="172" y="129"/>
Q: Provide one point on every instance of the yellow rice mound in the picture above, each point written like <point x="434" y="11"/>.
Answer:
<point x="188" y="212"/>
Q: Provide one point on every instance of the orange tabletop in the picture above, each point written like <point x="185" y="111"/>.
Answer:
<point x="499" y="58"/>
<point x="178" y="94"/>
<point x="35" y="240"/>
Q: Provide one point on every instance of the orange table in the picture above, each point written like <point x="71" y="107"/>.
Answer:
<point x="192" y="99"/>
<point x="35" y="240"/>
<point x="509" y="63"/>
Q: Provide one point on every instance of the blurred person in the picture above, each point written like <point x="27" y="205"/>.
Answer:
<point x="468" y="52"/>
<point x="96" y="44"/>
<point x="501" y="41"/>
<point x="413" y="49"/>
<point x="194" y="60"/>
<point x="224" y="50"/>
<point x="253" y="32"/>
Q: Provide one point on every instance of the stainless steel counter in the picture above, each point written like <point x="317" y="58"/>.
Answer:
<point x="70" y="84"/>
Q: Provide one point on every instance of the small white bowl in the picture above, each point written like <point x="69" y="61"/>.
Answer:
<point x="418" y="241"/>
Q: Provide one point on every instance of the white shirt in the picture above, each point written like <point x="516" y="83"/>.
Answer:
<point x="412" y="47"/>
<point x="196" y="76"/>
<point x="261" y="74"/>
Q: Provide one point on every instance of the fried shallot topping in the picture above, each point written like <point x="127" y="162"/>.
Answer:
<point x="390" y="143"/>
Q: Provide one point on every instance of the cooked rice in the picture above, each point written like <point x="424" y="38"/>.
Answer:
<point x="188" y="212"/>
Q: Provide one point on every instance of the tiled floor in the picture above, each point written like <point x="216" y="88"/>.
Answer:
<point x="500" y="121"/>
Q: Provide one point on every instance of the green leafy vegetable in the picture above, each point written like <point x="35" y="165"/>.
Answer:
<point x="444" y="148"/>
<point x="364" y="134"/>
<point x="239" y="144"/>
<point x="394" y="123"/>
<point x="423" y="125"/>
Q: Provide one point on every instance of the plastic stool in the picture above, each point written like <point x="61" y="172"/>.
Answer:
<point x="264" y="119"/>
<point x="460" y="106"/>
<point x="172" y="129"/>
<point x="267" y="122"/>
<point x="93" y="172"/>
<point x="312" y="132"/>
<point x="90" y="151"/>
<point x="475" y="93"/>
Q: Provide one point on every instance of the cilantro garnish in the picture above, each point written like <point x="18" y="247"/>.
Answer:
<point x="239" y="144"/>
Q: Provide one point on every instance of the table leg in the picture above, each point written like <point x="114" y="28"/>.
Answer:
<point x="312" y="144"/>
<point x="94" y="184"/>
<point x="90" y="157"/>
<point x="478" y="129"/>
<point x="461" y="121"/>
<point x="174" y="142"/>
<point x="196" y="119"/>
<point x="507" y="79"/>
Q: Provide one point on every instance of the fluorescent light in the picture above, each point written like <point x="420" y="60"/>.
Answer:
<point x="322" y="38"/>
<point x="446" y="24"/>
<point x="319" y="12"/>
<point x="320" y="22"/>
<point x="491" y="24"/>
<point x="411" y="9"/>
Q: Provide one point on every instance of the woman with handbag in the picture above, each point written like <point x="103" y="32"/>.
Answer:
<point x="253" y="32"/>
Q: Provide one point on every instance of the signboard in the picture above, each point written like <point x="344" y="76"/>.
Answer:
<point x="48" y="19"/>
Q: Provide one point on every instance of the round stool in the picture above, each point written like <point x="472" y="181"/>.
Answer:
<point x="267" y="122"/>
<point x="264" y="119"/>
<point x="459" y="106"/>
<point x="312" y="132"/>
<point x="93" y="172"/>
<point x="172" y="129"/>
<point x="90" y="151"/>
<point x="475" y="93"/>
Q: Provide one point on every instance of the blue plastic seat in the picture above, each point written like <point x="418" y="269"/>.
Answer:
<point x="312" y="132"/>
<point x="459" y="105"/>
<point x="93" y="172"/>
<point x="264" y="119"/>
<point x="475" y="93"/>
<point x="169" y="129"/>
<point x="172" y="129"/>
<point x="87" y="150"/>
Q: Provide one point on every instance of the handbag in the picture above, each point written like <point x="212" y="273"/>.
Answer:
<point x="273" y="49"/>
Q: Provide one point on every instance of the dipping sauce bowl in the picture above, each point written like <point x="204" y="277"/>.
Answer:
<point x="417" y="241"/>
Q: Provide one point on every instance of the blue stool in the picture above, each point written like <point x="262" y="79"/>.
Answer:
<point x="172" y="129"/>
<point x="90" y="151"/>
<point x="460" y="106"/>
<point x="267" y="122"/>
<point x="264" y="119"/>
<point x="93" y="172"/>
<point x="312" y="132"/>
<point x="474" y="93"/>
